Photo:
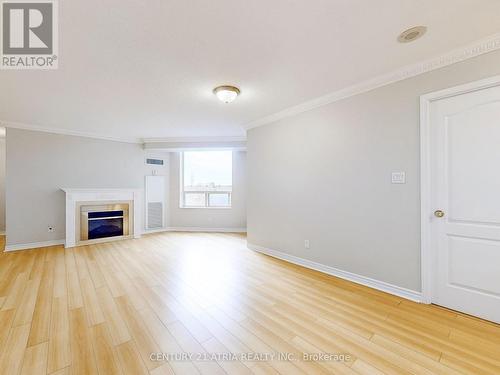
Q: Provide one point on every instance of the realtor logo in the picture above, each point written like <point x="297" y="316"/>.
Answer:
<point x="29" y="34"/>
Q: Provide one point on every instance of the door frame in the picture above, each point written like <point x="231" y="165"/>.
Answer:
<point x="427" y="266"/>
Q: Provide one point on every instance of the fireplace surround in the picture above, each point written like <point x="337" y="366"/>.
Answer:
<point x="100" y="215"/>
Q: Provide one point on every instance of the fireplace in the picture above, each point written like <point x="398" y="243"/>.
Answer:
<point x="104" y="221"/>
<point x="82" y="201"/>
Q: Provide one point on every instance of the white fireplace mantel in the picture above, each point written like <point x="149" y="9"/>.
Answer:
<point x="73" y="196"/>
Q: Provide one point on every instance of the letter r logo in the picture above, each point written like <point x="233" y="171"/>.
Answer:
<point x="27" y="28"/>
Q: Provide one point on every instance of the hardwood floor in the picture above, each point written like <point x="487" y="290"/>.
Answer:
<point x="105" y="309"/>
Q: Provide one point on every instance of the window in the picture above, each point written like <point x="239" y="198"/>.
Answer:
<point x="206" y="179"/>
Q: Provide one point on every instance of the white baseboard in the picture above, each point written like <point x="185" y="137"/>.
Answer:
<point x="33" y="245"/>
<point x="151" y="231"/>
<point x="359" y="279"/>
<point x="200" y="229"/>
<point x="196" y="229"/>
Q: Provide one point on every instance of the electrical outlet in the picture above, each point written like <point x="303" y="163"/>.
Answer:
<point x="306" y="244"/>
<point x="50" y="228"/>
<point x="398" y="178"/>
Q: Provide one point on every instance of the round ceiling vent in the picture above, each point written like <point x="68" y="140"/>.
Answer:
<point x="412" y="34"/>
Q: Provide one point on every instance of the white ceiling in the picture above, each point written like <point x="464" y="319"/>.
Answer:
<point x="135" y="69"/>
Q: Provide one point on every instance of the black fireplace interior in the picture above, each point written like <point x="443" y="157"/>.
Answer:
<point x="105" y="224"/>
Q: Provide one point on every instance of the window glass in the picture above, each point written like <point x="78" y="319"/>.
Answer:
<point x="219" y="200"/>
<point x="194" y="199"/>
<point x="207" y="178"/>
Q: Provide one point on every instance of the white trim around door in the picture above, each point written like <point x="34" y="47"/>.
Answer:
<point x="425" y="173"/>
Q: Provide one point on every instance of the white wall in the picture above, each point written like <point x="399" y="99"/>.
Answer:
<point x="39" y="164"/>
<point x="324" y="175"/>
<point x="233" y="218"/>
<point x="2" y="184"/>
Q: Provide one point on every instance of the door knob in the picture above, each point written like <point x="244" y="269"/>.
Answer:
<point x="438" y="213"/>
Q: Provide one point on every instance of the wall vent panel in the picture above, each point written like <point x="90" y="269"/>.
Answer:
<point x="155" y="215"/>
<point x="155" y="202"/>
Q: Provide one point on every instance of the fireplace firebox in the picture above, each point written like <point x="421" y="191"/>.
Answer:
<point x="104" y="221"/>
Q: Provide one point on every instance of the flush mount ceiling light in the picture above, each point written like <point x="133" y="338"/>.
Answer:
<point x="226" y="93"/>
<point x="412" y="34"/>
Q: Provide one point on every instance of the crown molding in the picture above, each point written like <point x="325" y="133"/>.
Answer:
<point x="179" y="144"/>
<point x="38" y="128"/>
<point x="196" y="139"/>
<point x="45" y="129"/>
<point x="480" y="47"/>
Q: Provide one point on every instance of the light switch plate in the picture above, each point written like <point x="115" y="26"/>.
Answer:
<point x="398" y="177"/>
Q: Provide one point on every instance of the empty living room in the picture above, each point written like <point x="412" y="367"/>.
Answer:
<point x="249" y="187"/>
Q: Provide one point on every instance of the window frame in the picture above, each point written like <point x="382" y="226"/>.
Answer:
<point x="182" y="192"/>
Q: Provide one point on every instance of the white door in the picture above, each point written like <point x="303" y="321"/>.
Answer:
<point x="465" y="202"/>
